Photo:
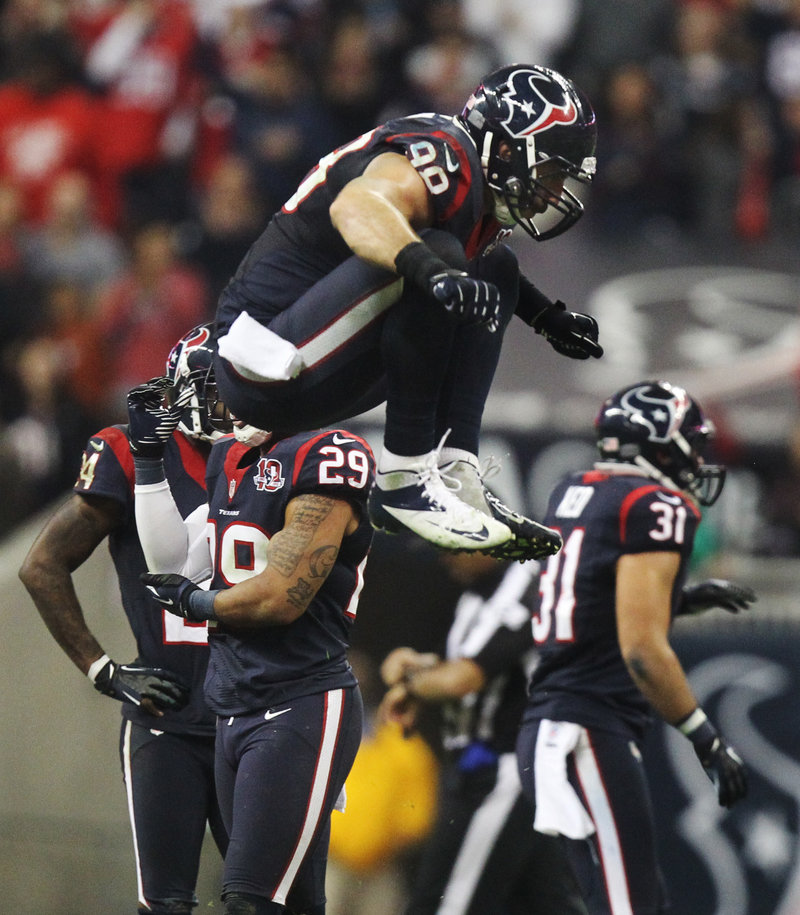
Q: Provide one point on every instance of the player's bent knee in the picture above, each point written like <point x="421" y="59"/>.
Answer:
<point x="446" y="246"/>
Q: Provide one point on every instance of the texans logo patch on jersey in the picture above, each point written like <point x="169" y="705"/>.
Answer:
<point x="270" y="475"/>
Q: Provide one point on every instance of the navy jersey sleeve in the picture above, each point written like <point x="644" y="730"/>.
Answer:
<point x="337" y="462"/>
<point x="445" y="158"/>
<point x="653" y="519"/>
<point x="107" y="467"/>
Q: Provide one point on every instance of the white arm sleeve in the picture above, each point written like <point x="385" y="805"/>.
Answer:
<point x="170" y="543"/>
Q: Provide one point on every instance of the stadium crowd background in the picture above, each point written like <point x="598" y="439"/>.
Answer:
<point x="144" y="143"/>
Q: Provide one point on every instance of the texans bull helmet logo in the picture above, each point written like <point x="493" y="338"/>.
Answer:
<point x="529" y="109"/>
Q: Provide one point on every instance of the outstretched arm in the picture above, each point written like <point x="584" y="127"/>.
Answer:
<point x="415" y="678"/>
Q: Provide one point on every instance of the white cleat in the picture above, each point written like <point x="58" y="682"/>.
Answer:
<point x="419" y="500"/>
<point x="530" y="540"/>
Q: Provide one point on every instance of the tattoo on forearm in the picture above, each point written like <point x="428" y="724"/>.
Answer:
<point x="287" y="547"/>
<point x="322" y="561"/>
<point x="300" y="593"/>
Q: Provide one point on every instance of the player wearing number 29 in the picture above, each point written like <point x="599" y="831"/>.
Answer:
<point x="284" y="539"/>
<point x="167" y="738"/>
<point x="384" y="278"/>
<point x="602" y="625"/>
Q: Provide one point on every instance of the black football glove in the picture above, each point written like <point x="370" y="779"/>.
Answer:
<point x="716" y="592"/>
<point x="569" y="333"/>
<point x="174" y="593"/>
<point x="151" y="419"/>
<point x="723" y="766"/>
<point x="721" y="762"/>
<point x="132" y="683"/>
<point x="469" y="301"/>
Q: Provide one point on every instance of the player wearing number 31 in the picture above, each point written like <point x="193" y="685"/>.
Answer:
<point x="602" y="626"/>
<point x="384" y="278"/>
<point x="284" y="540"/>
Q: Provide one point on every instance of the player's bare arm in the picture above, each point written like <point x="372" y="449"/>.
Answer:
<point x="64" y="544"/>
<point x="397" y="664"/>
<point x="644" y="588"/>
<point x="300" y="558"/>
<point x="379" y="213"/>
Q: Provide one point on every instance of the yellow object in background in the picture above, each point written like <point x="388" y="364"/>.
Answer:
<point x="391" y="800"/>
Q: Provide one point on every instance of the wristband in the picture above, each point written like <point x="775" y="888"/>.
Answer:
<point x="697" y="728"/>
<point x="532" y="303"/>
<point x="419" y="264"/>
<point x="148" y="470"/>
<point x="201" y="603"/>
<point x="96" y="666"/>
<point x="691" y="722"/>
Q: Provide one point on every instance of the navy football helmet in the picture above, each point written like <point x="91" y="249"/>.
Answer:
<point x="657" y="426"/>
<point x="550" y="131"/>
<point x="190" y="364"/>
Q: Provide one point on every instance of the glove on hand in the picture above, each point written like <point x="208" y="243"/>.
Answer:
<point x="151" y="421"/>
<point x="469" y="301"/>
<point x="716" y="592"/>
<point x="569" y="333"/>
<point x="175" y="593"/>
<point x="133" y="683"/>
<point x="722" y="764"/>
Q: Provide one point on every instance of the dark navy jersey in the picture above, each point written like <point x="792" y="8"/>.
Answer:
<point x="162" y="639"/>
<point x="601" y="516"/>
<point x="301" y="239"/>
<point x="494" y="631"/>
<point x="248" y="493"/>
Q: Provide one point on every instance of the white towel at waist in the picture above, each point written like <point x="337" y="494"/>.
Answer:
<point x="558" y="807"/>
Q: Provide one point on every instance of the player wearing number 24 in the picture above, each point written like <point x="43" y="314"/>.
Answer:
<point x="606" y="602"/>
<point x="283" y="543"/>
<point x="167" y="738"/>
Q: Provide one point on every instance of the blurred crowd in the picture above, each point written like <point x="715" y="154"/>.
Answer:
<point x="145" y="143"/>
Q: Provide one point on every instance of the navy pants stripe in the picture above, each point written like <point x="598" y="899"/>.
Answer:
<point x="617" y="867"/>
<point x="278" y="778"/>
<point x="169" y="780"/>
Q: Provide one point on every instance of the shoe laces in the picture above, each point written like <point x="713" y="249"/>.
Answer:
<point x="439" y="487"/>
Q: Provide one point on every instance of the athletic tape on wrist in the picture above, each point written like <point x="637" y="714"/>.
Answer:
<point x="201" y="603"/>
<point x="96" y="667"/>
<point x="692" y="722"/>
<point x="148" y="471"/>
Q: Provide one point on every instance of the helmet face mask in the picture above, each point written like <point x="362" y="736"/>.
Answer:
<point x="190" y="364"/>
<point x="535" y="133"/>
<point x="659" y="428"/>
